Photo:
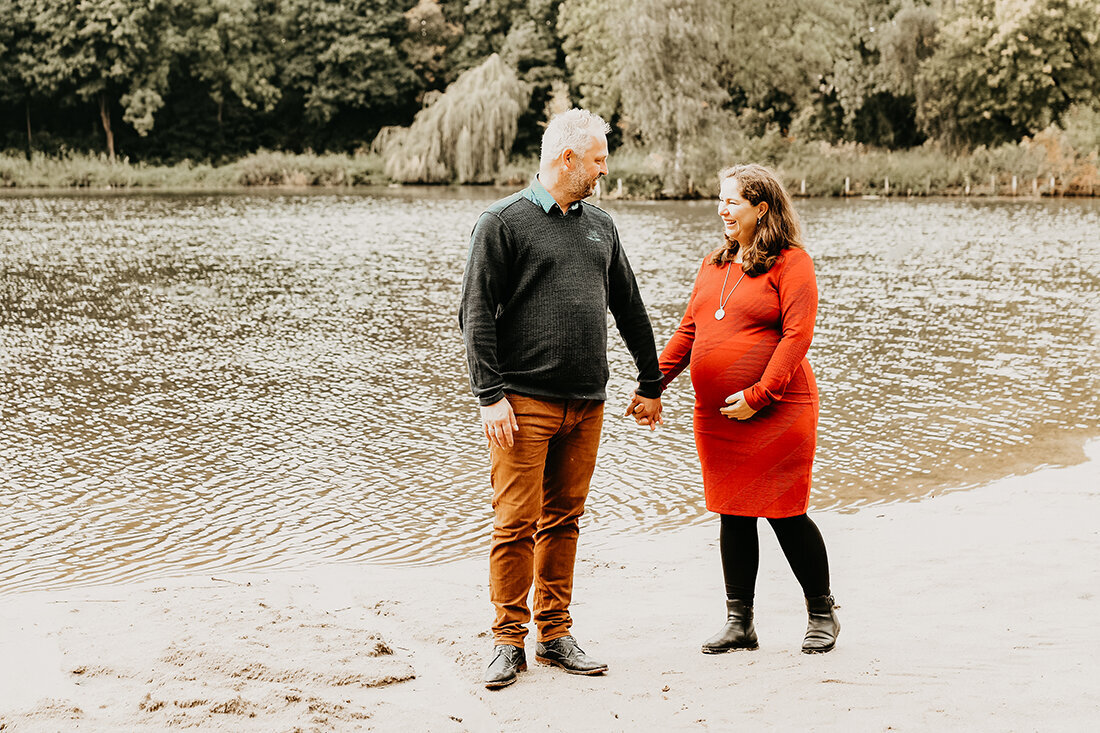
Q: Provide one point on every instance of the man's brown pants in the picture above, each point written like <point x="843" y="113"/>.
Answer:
<point x="539" y="489"/>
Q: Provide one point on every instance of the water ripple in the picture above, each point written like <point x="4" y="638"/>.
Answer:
<point x="202" y="382"/>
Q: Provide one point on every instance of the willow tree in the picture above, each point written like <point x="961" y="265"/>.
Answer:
<point x="463" y="134"/>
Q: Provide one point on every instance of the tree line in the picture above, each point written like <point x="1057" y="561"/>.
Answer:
<point x="209" y="80"/>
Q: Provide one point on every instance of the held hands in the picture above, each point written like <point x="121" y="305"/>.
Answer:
<point x="645" y="410"/>
<point x="500" y="422"/>
<point x="737" y="408"/>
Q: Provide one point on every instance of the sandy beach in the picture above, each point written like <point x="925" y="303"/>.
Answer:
<point x="969" y="610"/>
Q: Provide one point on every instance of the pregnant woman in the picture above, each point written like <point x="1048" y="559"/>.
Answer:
<point x="745" y="335"/>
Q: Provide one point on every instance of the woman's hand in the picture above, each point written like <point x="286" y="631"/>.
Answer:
<point x="644" y="410"/>
<point x="736" y="407"/>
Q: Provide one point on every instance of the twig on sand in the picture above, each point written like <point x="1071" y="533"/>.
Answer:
<point x="226" y="580"/>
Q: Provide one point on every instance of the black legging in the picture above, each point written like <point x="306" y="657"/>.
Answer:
<point x="801" y="542"/>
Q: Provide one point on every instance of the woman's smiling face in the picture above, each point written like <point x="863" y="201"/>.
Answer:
<point x="738" y="215"/>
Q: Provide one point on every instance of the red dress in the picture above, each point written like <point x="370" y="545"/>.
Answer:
<point x="758" y="467"/>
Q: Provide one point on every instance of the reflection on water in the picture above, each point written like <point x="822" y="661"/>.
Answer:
<point x="243" y="381"/>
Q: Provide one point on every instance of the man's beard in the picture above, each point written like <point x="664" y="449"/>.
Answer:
<point x="579" y="185"/>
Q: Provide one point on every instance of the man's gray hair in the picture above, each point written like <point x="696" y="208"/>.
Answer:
<point x="572" y="130"/>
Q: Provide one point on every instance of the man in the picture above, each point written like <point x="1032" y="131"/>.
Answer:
<point x="543" y="270"/>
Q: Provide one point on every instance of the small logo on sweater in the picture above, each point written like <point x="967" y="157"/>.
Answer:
<point x="594" y="236"/>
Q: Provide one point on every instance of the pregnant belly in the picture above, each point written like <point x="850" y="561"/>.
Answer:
<point x="720" y="370"/>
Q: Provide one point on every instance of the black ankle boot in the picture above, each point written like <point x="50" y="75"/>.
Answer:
<point x="824" y="626"/>
<point x="738" y="633"/>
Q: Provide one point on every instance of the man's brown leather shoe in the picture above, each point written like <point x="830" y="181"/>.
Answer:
<point x="507" y="661"/>
<point x="565" y="653"/>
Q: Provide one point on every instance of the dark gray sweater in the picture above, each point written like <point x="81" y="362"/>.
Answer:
<point x="535" y="297"/>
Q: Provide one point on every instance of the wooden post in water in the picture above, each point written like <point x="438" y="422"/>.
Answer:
<point x="847" y="186"/>
<point x="619" y="188"/>
<point x="803" y="186"/>
<point x="992" y="184"/>
<point x="1052" y="191"/>
<point x="887" y="185"/>
<point x="1013" y="185"/>
<point x="1035" y="186"/>
<point x="967" y="185"/>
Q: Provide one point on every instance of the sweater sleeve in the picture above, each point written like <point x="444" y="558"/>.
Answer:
<point x="797" y="288"/>
<point x="625" y="302"/>
<point x="483" y="292"/>
<point x="677" y="353"/>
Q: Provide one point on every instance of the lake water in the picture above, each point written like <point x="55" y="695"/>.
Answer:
<point x="245" y="381"/>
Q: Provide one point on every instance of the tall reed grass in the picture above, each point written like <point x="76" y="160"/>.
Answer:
<point x="1059" y="161"/>
<point x="263" y="168"/>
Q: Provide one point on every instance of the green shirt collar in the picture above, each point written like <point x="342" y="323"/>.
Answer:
<point x="538" y="194"/>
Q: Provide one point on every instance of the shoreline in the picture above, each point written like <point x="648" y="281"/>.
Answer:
<point x="322" y="189"/>
<point x="970" y="609"/>
<point x="1064" y="452"/>
<point x="1020" y="171"/>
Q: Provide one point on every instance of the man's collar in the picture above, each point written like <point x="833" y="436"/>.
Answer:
<point x="538" y="194"/>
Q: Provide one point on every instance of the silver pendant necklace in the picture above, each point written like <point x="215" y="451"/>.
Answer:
<point x="721" y="312"/>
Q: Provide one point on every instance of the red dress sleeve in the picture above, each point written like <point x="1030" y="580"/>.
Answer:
<point x="797" y="288"/>
<point x="677" y="353"/>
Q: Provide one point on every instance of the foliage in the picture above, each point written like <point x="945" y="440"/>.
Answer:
<point x="904" y="42"/>
<point x="691" y="81"/>
<point x="345" y="55"/>
<point x="111" y="49"/>
<point x="590" y="40"/>
<point x="776" y="52"/>
<point x="524" y="34"/>
<point x="670" y="94"/>
<point x="1004" y="69"/>
<point x="463" y="135"/>
<point x="428" y="39"/>
<point x="228" y="52"/>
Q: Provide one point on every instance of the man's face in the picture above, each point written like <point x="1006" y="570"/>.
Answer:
<point x="587" y="169"/>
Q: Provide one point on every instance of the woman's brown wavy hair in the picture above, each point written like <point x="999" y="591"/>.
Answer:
<point x="776" y="231"/>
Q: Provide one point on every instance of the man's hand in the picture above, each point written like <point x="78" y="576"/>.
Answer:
<point x="500" y="422"/>
<point x="737" y="408"/>
<point x="645" y="410"/>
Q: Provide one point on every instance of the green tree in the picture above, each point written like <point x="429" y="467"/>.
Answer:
<point x="870" y="88"/>
<point x="669" y="84"/>
<point x="762" y="60"/>
<point x="775" y="54"/>
<point x="430" y="36"/>
<point x="343" y="55"/>
<point x="18" y="40"/>
<point x="593" y="47"/>
<point x="230" y="50"/>
<point x="1004" y="69"/>
<point x="904" y="42"/>
<point x="110" y="51"/>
